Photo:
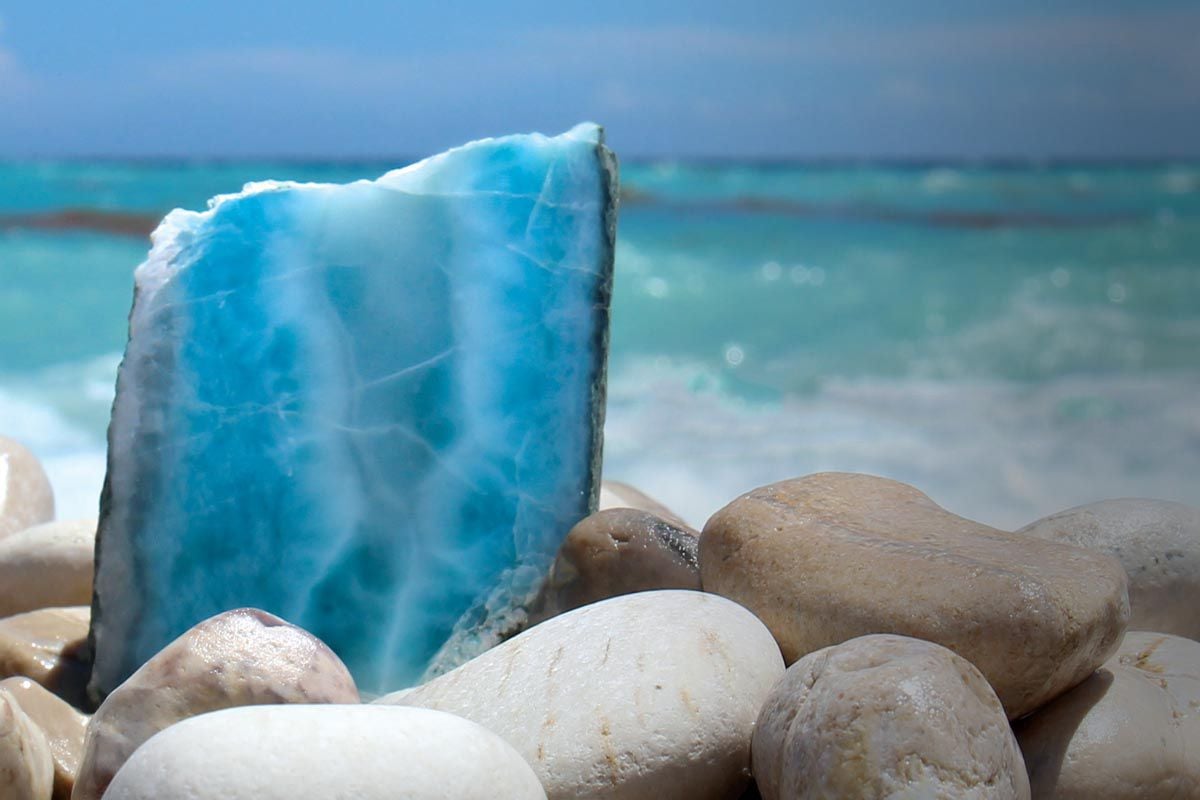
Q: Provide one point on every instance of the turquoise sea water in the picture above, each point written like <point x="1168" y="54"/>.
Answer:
<point x="1011" y="339"/>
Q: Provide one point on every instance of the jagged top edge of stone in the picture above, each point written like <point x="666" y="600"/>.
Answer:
<point x="152" y="273"/>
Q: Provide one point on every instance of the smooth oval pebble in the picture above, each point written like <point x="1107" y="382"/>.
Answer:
<point x="1158" y="544"/>
<point x="886" y="717"/>
<point x="46" y="566"/>
<point x="833" y="556"/>
<point x="243" y="657"/>
<point x="325" y="752"/>
<point x="616" y="552"/>
<point x="50" y="646"/>
<point x="26" y="498"/>
<point x="1131" y="731"/>
<point x="62" y="725"/>
<point x="650" y="695"/>
<point x="26" y="766"/>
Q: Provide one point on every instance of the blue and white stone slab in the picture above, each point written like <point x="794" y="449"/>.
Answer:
<point x="372" y="409"/>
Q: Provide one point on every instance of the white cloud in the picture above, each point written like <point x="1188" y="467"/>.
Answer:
<point x="13" y="79"/>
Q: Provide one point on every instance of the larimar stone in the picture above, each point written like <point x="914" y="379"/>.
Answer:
<point x="372" y="409"/>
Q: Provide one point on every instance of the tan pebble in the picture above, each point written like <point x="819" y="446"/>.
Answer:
<point x="26" y="766"/>
<point x="62" y="725"/>
<point x="886" y="717"/>
<point x="48" y="645"/>
<point x="26" y="498"/>
<point x="615" y="552"/>
<point x="244" y="657"/>
<point x="833" y="556"/>
<point x="1129" y="732"/>
<point x="47" y="566"/>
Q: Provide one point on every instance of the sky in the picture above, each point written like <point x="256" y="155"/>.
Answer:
<point x="667" y="78"/>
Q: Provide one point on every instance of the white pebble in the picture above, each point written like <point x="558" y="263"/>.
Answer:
<point x="323" y="752"/>
<point x="650" y="695"/>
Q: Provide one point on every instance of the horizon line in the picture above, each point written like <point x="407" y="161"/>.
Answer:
<point x="832" y="160"/>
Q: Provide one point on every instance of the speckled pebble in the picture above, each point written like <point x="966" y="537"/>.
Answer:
<point x="239" y="658"/>
<point x="1158" y="544"/>
<point x="883" y="717"/>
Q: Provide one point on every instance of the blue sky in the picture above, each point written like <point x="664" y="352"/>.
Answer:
<point x="681" y="78"/>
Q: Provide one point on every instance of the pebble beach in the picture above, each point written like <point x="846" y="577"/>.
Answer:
<point x="832" y="635"/>
<point x="992" y="597"/>
<point x="592" y="401"/>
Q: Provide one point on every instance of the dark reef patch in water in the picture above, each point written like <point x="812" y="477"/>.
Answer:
<point x="117" y="223"/>
<point x="940" y="218"/>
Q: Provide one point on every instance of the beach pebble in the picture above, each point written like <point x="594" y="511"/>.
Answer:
<point x="48" y="645"/>
<point x="886" y="717"/>
<point x="615" y="494"/>
<point x="26" y="766"/>
<point x="325" y="752"/>
<point x="62" y="725"/>
<point x="1158" y="543"/>
<point x="616" y="552"/>
<point x="833" y="556"/>
<point x="239" y="658"/>
<point x="646" y="696"/>
<point x="26" y="498"/>
<point x="46" y="566"/>
<point x="1129" y="732"/>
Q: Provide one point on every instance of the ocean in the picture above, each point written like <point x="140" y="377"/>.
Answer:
<point x="1012" y="339"/>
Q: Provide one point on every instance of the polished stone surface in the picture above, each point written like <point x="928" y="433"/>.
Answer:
<point x="49" y="646"/>
<point x="372" y="409"/>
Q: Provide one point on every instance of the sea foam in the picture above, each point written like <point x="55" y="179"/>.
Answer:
<point x="1001" y="452"/>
